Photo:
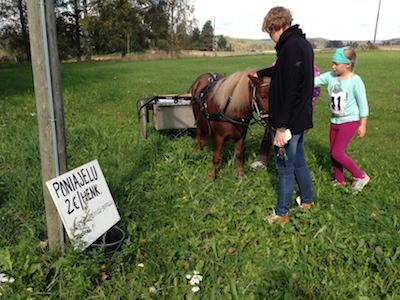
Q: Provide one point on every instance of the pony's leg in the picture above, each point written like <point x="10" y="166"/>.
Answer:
<point x="239" y="153"/>
<point x="218" y="142"/>
<point x="199" y="139"/>
<point x="266" y="145"/>
<point x="199" y="131"/>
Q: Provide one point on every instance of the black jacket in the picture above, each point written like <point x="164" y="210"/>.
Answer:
<point x="292" y="82"/>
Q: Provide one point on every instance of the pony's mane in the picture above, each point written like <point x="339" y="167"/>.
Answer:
<point x="235" y="87"/>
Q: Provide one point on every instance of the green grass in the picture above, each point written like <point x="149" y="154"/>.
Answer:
<point x="176" y="221"/>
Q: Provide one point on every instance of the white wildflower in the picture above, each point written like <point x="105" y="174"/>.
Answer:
<point x="195" y="289"/>
<point x="196" y="272"/>
<point x="152" y="290"/>
<point x="1" y="294"/>
<point x="196" y="279"/>
<point x="6" y="278"/>
<point x="29" y="289"/>
<point x="188" y="276"/>
<point x="140" y="265"/>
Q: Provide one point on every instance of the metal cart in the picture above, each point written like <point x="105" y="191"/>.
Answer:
<point x="169" y="112"/>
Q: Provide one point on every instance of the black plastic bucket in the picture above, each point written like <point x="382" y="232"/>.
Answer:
<point x="110" y="241"/>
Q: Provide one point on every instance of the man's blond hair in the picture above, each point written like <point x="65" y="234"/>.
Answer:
<point x="277" y="18"/>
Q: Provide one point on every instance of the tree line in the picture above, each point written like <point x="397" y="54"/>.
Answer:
<point x="89" y="27"/>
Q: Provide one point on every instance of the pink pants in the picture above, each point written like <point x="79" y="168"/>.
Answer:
<point x="340" y="136"/>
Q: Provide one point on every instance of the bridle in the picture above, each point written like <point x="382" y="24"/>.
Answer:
<point x="261" y="115"/>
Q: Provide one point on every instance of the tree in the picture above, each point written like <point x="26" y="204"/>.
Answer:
<point x="334" y="44"/>
<point x="65" y="39"/>
<point x="207" y="37"/>
<point x="352" y="44"/>
<point x="156" y="20"/>
<point x="196" y="41"/>
<point x="120" y="27"/>
<point x="104" y="26"/>
<point x="222" y="43"/>
<point x="87" y="45"/>
<point x="180" y="19"/>
<point x="13" y="16"/>
<point x="71" y="10"/>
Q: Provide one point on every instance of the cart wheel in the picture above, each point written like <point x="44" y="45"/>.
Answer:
<point x="142" y="118"/>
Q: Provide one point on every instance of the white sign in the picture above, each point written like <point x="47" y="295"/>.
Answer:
<point x="84" y="203"/>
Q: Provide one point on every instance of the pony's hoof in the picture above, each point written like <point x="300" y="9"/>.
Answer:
<point x="241" y="174"/>
<point x="242" y="177"/>
<point x="211" y="176"/>
<point x="200" y="147"/>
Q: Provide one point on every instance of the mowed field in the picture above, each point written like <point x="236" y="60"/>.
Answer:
<point x="177" y="222"/>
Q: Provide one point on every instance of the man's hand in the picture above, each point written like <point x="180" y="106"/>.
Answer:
<point x="280" y="139"/>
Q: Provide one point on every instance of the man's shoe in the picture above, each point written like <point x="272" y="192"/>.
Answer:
<point x="301" y="204"/>
<point x="359" y="184"/>
<point x="274" y="218"/>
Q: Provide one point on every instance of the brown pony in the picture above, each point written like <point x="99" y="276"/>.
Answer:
<point x="223" y="109"/>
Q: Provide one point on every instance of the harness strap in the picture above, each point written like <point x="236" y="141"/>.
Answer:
<point x="223" y="118"/>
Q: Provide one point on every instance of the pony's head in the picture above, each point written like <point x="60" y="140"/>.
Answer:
<point x="260" y="96"/>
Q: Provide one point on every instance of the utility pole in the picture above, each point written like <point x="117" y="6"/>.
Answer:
<point x="49" y="104"/>
<point x="377" y="18"/>
<point x="213" y="37"/>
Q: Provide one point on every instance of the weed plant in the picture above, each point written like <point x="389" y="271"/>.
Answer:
<point x="177" y="221"/>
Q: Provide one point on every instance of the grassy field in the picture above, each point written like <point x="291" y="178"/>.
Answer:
<point x="347" y="247"/>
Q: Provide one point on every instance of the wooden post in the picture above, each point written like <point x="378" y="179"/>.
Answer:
<point x="49" y="103"/>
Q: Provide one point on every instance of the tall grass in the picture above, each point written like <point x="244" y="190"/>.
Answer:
<point x="176" y="221"/>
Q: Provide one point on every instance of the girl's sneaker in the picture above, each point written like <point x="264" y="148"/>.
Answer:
<point x="359" y="184"/>
<point x="258" y="164"/>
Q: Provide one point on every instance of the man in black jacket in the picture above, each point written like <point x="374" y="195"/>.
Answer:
<point x="291" y="90"/>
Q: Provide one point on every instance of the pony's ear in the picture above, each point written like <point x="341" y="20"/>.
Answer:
<point x="255" y="80"/>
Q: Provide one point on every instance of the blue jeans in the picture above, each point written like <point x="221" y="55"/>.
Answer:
<point x="294" y="167"/>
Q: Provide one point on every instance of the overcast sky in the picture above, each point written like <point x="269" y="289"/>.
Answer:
<point x="334" y="20"/>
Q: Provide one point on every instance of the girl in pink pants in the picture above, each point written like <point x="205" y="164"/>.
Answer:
<point x="349" y="112"/>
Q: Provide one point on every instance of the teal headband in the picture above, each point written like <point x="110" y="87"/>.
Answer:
<point x="339" y="56"/>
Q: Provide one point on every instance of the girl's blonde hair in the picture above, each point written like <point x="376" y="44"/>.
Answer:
<point x="351" y="54"/>
<point x="278" y="17"/>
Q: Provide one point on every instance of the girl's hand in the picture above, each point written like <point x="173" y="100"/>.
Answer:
<point x="362" y="127"/>
<point x="361" y="131"/>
